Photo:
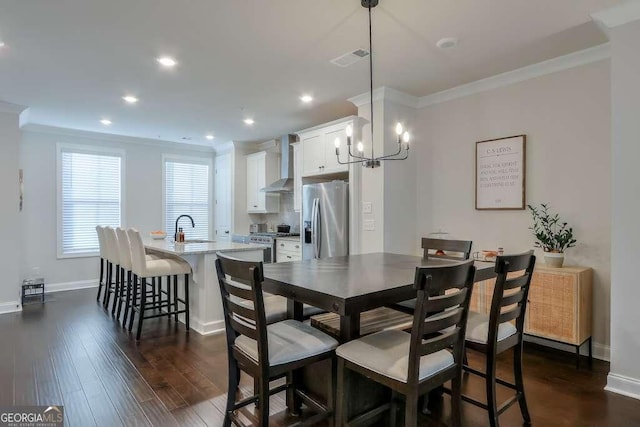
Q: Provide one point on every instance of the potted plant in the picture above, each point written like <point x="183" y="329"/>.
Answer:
<point x="552" y="235"/>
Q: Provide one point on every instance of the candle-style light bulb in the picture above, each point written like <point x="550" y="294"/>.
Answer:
<point x="336" y="142"/>
<point x="360" y="146"/>
<point x="406" y="137"/>
<point x="399" y="129"/>
<point x="349" y="131"/>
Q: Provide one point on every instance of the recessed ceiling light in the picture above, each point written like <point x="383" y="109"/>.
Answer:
<point x="130" y="99"/>
<point x="447" y="42"/>
<point x="105" y="122"/>
<point x="249" y="122"/>
<point x="306" y="98"/>
<point x="209" y="137"/>
<point x="1" y="44"/>
<point x="166" y="61"/>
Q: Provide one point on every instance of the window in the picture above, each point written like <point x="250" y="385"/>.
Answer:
<point x="186" y="191"/>
<point x="89" y="194"/>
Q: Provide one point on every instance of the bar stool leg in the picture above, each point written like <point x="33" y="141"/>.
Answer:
<point x="134" y="299"/>
<point x="127" y="301"/>
<point x="100" y="279"/>
<point x="116" y="291"/>
<point x="122" y="292"/>
<point x="186" y="301"/>
<point x="143" y="301"/>
<point x="175" y="298"/>
<point x="107" y="287"/>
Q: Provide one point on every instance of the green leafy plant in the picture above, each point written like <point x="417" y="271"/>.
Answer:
<point x="551" y="234"/>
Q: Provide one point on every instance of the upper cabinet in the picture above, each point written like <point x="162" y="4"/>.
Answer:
<point x="262" y="170"/>
<point x="297" y="176"/>
<point x="319" y="150"/>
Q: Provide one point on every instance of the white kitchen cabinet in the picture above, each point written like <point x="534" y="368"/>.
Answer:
<point x="288" y="250"/>
<point x="297" y="177"/>
<point x="262" y="169"/>
<point x="318" y="147"/>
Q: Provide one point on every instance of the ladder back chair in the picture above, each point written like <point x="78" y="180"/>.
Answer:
<point x="266" y="351"/>
<point x="495" y="333"/>
<point x="412" y="364"/>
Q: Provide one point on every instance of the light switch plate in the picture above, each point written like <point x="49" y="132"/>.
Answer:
<point x="369" y="225"/>
<point x="367" y="207"/>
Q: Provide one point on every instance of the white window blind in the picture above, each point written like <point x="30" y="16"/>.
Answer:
<point x="187" y="192"/>
<point x="91" y="194"/>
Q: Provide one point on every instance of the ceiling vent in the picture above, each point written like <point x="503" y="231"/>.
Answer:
<point x="350" y="58"/>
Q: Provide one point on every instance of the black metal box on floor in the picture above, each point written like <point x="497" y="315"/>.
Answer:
<point x="32" y="290"/>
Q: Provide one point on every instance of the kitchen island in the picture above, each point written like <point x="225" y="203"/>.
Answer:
<point x="205" y="303"/>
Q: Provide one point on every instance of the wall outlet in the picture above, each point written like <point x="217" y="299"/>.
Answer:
<point x="367" y="207"/>
<point x="369" y="225"/>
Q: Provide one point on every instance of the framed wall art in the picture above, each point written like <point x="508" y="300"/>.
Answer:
<point x="500" y="173"/>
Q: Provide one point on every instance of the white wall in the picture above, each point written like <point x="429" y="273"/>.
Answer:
<point x="566" y="117"/>
<point x="142" y="189"/>
<point x="625" y="225"/>
<point x="9" y="215"/>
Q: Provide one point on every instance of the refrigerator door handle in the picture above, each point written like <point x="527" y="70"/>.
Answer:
<point x="318" y="243"/>
<point x="314" y="228"/>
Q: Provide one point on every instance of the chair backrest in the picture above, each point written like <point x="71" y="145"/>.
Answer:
<point x="461" y="247"/>
<point x="241" y="281"/>
<point x="111" y="242"/>
<point x="509" y="301"/>
<point x="440" y="316"/>
<point x="101" y="243"/>
<point x="138" y="258"/>
<point x="124" y="248"/>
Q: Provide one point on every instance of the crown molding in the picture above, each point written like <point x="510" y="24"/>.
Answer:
<point x="223" y="147"/>
<point x="334" y="122"/>
<point x="385" y="93"/>
<point x="620" y="14"/>
<point x="575" y="59"/>
<point x="53" y="130"/>
<point x="7" y="107"/>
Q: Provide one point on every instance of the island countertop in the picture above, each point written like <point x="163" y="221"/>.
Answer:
<point x="172" y="248"/>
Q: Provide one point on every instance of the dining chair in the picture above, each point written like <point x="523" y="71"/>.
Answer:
<point x="266" y="352"/>
<point x="435" y="248"/>
<point x="495" y="333"/>
<point x="412" y="364"/>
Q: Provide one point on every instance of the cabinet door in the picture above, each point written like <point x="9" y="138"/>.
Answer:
<point x="331" y="164"/>
<point x="297" y="178"/>
<point x="312" y="155"/>
<point x="261" y="196"/>
<point x="551" y="310"/>
<point x="252" y="183"/>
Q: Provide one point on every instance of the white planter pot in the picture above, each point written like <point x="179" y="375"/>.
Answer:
<point x="554" y="259"/>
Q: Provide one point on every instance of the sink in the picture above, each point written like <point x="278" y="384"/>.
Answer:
<point x="196" y="241"/>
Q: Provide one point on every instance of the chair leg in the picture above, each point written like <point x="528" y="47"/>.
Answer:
<point x="127" y="301"/>
<point x="143" y="301"/>
<point x="517" y="373"/>
<point x="263" y="401"/>
<point x="122" y="293"/>
<point x="107" y="286"/>
<point x="341" y="414"/>
<point x="134" y="300"/>
<point x="456" y="400"/>
<point x="100" y="279"/>
<point x="186" y="301"/>
<point x="116" y="291"/>
<point x="393" y="409"/>
<point x="331" y="395"/>
<point x="490" y="384"/>
<point x="234" y="380"/>
<point x="411" y="411"/>
<point x="175" y="298"/>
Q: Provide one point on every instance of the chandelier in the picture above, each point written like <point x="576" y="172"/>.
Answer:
<point x="371" y="161"/>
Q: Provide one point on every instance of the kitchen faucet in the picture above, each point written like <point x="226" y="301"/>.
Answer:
<point x="175" y="234"/>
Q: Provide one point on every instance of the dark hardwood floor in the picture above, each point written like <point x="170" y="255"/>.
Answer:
<point x="71" y="352"/>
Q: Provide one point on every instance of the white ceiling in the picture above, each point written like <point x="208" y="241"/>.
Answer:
<point x="71" y="61"/>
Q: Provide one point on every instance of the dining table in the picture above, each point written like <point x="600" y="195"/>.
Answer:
<point x="348" y="286"/>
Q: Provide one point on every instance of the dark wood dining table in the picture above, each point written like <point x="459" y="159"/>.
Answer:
<point x="349" y="285"/>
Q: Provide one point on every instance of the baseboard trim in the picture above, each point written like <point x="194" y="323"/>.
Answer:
<point x="600" y="351"/>
<point x="10" y="307"/>
<point x="70" y="286"/>
<point x="623" y="385"/>
<point x="208" y="328"/>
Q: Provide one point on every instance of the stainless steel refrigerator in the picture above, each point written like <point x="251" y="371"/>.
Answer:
<point x="325" y="220"/>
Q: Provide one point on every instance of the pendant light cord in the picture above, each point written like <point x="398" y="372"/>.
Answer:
<point x="371" y="78"/>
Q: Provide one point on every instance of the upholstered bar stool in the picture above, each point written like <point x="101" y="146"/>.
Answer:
<point x="145" y="269"/>
<point x="124" y="250"/>
<point x="103" y="259"/>
<point x="113" y="256"/>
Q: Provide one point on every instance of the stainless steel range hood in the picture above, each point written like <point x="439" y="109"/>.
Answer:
<point x="285" y="183"/>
